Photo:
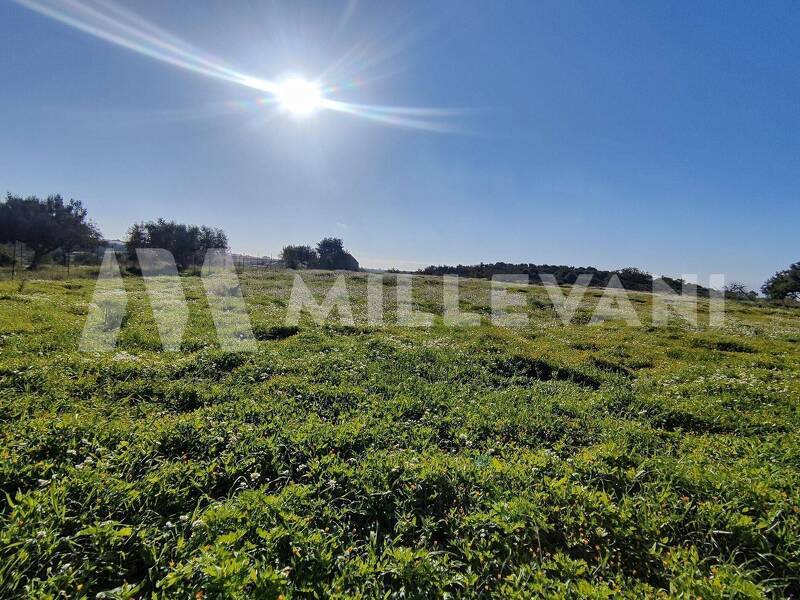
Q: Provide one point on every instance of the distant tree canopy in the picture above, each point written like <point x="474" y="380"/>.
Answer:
<point x="186" y="243"/>
<point x="739" y="291"/>
<point x="329" y="254"/>
<point x="630" y="277"/>
<point x="46" y="225"/>
<point x="299" y="257"/>
<point x="784" y="284"/>
<point x="332" y="255"/>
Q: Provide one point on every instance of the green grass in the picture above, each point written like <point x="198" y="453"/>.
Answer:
<point x="582" y="461"/>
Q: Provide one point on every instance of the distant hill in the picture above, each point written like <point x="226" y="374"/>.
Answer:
<point x="631" y="278"/>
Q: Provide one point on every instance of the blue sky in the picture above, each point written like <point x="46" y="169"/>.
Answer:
<point x="658" y="135"/>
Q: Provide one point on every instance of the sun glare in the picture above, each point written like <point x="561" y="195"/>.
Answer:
<point x="298" y="96"/>
<point x="295" y="96"/>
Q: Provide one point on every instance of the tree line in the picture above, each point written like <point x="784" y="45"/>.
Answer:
<point x="56" y="227"/>
<point x="631" y="278"/>
<point x="187" y="243"/>
<point x="784" y="285"/>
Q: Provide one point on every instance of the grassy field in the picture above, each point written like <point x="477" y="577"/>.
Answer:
<point x="337" y="461"/>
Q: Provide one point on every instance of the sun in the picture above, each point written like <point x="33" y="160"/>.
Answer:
<point x="299" y="97"/>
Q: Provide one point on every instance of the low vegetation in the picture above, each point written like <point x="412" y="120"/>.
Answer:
<point x="580" y="460"/>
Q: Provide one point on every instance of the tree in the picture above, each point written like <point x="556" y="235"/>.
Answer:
<point x="332" y="255"/>
<point x="299" y="256"/>
<point x="635" y="279"/>
<point x="46" y="225"/>
<point x="739" y="291"/>
<point x="330" y="247"/>
<point x="187" y="243"/>
<point x="784" y="284"/>
<point x="329" y="254"/>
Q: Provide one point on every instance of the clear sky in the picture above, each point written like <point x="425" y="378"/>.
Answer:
<point x="661" y="135"/>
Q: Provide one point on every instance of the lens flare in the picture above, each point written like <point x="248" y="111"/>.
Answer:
<point x="295" y="96"/>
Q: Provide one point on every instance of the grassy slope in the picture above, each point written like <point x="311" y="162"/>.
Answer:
<point x="549" y="459"/>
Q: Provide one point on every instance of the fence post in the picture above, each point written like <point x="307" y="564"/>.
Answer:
<point x="14" y="261"/>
